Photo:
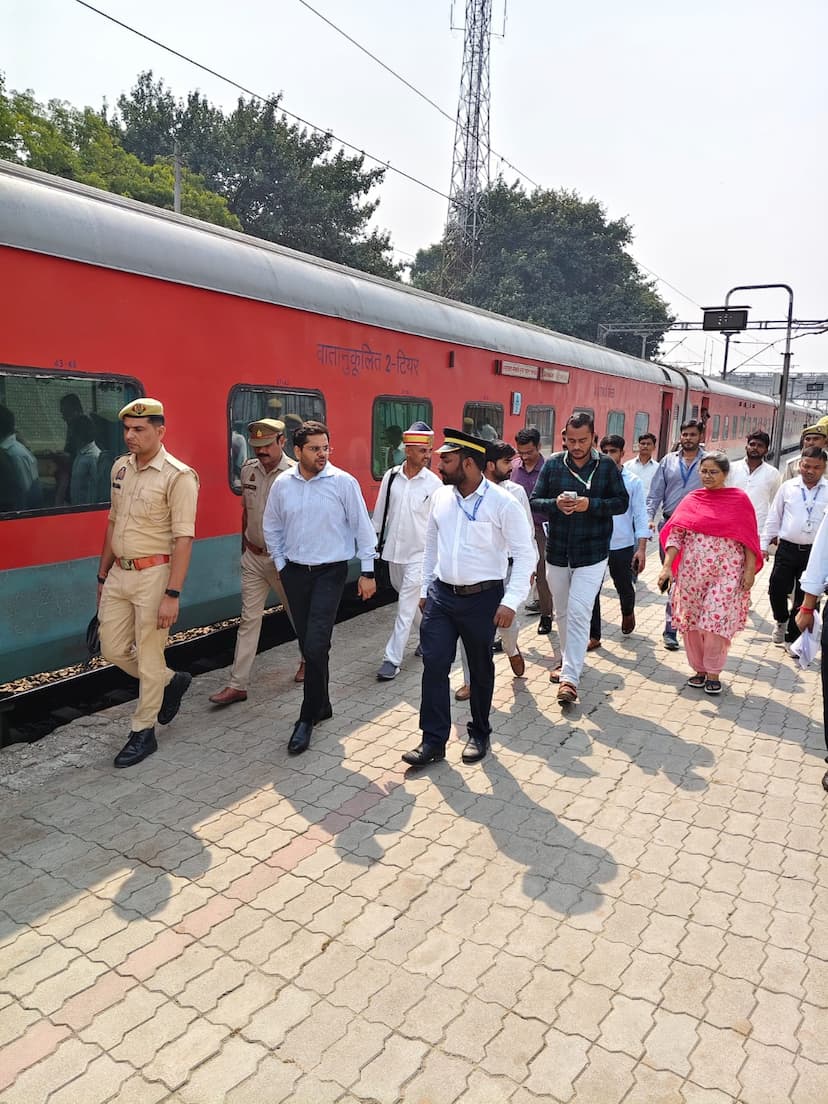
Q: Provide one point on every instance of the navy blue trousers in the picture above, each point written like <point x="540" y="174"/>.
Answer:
<point x="448" y="617"/>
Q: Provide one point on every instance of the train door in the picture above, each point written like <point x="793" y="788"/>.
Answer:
<point x="664" y="426"/>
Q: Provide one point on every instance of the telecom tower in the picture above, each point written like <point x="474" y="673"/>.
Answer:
<point x="470" y="165"/>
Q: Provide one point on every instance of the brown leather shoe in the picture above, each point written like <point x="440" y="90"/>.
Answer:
<point x="627" y="623"/>
<point x="300" y="673"/>
<point x="463" y="694"/>
<point x="228" y="696"/>
<point x="517" y="664"/>
<point x="593" y="644"/>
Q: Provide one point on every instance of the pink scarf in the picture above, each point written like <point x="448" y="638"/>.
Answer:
<point x="727" y="512"/>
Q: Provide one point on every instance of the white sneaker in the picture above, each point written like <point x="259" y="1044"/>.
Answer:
<point x="778" y="636"/>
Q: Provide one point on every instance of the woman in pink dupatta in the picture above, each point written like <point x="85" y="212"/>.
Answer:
<point x="711" y="547"/>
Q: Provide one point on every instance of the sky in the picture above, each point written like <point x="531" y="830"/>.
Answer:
<point x="700" y="122"/>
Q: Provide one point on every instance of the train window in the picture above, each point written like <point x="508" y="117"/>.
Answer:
<point x="694" y="413"/>
<point x="725" y="430"/>
<point x="642" y="425"/>
<point x="542" y="418"/>
<point x="248" y="403"/>
<point x="59" y="435"/>
<point x="615" y="422"/>
<point x="584" y="410"/>
<point x="717" y="419"/>
<point x="392" y="415"/>
<point x="483" y="420"/>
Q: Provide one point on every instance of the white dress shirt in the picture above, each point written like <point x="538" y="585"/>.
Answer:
<point x="815" y="576"/>
<point x="645" y="472"/>
<point x="796" y="512"/>
<point x="631" y="526"/>
<point x="407" y="514"/>
<point x="519" y="495"/>
<point x="760" y="486"/>
<point x="318" y="521"/>
<point x="462" y="552"/>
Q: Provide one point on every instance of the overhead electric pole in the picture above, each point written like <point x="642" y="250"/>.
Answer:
<point x="470" y="166"/>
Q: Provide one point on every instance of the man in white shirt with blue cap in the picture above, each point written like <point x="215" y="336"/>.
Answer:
<point x="473" y="529"/>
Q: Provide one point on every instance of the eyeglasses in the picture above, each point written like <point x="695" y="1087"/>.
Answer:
<point x="317" y="448"/>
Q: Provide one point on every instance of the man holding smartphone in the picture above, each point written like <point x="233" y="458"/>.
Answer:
<point x="580" y="491"/>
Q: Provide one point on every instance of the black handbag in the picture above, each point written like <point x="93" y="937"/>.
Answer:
<point x="381" y="571"/>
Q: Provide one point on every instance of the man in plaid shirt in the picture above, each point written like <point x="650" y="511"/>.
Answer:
<point x="580" y="491"/>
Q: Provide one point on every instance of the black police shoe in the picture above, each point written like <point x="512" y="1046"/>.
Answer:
<point x="423" y="755"/>
<point x="300" y="740"/>
<point x="175" y="690"/>
<point x="476" y="748"/>
<point x="139" y="745"/>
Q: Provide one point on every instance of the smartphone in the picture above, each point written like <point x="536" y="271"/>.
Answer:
<point x="665" y="586"/>
<point x="569" y="494"/>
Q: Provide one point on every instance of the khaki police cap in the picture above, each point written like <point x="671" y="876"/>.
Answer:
<point x="142" y="408"/>
<point x="264" y="432"/>
<point x="819" y="428"/>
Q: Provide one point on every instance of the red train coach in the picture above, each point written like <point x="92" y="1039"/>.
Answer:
<point x="105" y="299"/>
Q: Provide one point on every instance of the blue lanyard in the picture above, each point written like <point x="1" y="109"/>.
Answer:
<point x="809" y="509"/>
<point x="473" y="515"/>
<point x="686" y="472"/>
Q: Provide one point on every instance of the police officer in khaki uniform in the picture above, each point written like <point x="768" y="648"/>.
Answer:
<point x="143" y="565"/>
<point x="258" y="573"/>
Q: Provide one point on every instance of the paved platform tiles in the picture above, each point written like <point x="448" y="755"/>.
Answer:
<point x="623" y="903"/>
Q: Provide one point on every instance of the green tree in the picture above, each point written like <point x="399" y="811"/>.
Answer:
<point x="80" y="145"/>
<point x="554" y="259"/>
<point x="281" y="181"/>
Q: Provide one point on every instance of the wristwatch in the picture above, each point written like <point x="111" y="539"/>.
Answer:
<point x="367" y="574"/>
<point x="172" y="593"/>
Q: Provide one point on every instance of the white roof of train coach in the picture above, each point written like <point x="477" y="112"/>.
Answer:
<point x="57" y="217"/>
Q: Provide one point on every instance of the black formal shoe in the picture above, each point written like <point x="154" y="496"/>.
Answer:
<point x="300" y="740"/>
<point x="176" y="688"/>
<point x="544" y="625"/>
<point x="497" y="647"/>
<point x="423" y="755"/>
<point x="825" y="781"/>
<point x="139" y="745"/>
<point x="476" y="749"/>
<point x="324" y="714"/>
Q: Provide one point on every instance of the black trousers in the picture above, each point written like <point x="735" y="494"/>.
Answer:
<point x="788" y="565"/>
<point x="621" y="573"/>
<point x="314" y="595"/>
<point x="447" y="617"/>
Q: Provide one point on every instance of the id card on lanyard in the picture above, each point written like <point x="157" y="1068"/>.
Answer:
<point x="808" y="527"/>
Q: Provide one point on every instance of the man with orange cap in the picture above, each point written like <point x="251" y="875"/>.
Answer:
<point x="400" y="518"/>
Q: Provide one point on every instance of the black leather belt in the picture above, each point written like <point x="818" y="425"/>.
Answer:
<point x="798" y="547"/>
<point x="314" y="567"/>
<point x="473" y="588"/>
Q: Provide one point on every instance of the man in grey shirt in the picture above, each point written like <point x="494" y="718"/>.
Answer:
<point x="677" y="476"/>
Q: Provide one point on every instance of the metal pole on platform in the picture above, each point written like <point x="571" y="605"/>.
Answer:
<point x="779" y="427"/>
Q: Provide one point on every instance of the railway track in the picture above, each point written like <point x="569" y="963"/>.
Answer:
<point x="32" y="708"/>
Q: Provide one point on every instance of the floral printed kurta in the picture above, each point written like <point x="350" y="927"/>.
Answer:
<point x="707" y="593"/>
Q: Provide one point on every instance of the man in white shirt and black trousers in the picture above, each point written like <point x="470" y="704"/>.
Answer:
<point x="473" y="529"/>
<point x="314" y="519"/>
<point x="793" y="520"/>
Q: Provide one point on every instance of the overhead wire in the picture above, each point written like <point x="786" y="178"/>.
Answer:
<point x="412" y="87"/>
<point x="263" y="99"/>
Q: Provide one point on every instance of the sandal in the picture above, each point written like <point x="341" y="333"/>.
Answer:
<point x="698" y="682"/>
<point x="567" y="694"/>
<point x="712" y="686"/>
<point x="555" y="676"/>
